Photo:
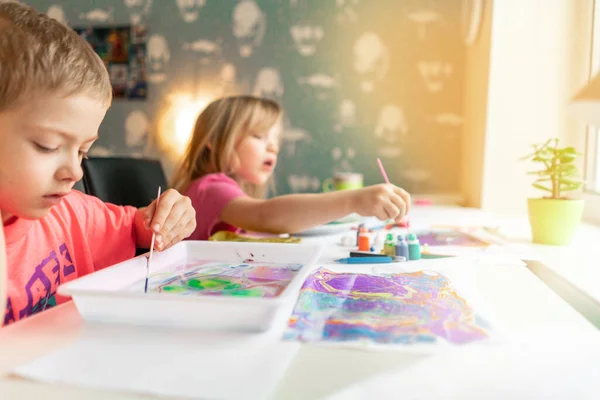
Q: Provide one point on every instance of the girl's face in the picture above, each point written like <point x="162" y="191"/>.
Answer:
<point x="257" y="156"/>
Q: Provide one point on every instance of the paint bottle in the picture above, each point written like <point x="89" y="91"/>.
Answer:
<point x="348" y="241"/>
<point x="358" y="232"/>
<point x="378" y="243"/>
<point x="389" y="247"/>
<point x="363" y="239"/>
<point x="402" y="247"/>
<point x="425" y="249"/>
<point x="414" y="247"/>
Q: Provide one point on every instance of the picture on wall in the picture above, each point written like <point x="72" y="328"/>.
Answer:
<point x="123" y="50"/>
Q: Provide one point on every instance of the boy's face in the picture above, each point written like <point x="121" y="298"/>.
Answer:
<point x="42" y="142"/>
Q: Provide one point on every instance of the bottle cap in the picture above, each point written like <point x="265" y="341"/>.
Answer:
<point x="401" y="238"/>
<point x="362" y="229"/>
<point x="389" y="237"/>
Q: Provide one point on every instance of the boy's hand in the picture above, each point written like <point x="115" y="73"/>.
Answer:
<point x="382" y="201"/>
<point x="172" y="221"/>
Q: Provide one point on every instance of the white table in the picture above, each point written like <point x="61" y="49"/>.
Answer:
<point x="531" y="306"/>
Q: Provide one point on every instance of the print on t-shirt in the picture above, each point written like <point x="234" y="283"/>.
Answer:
<point x="41" y="287"/>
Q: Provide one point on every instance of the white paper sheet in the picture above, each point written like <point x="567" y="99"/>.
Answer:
<point x="561" y="366"/>
<point x="186" y="364"/>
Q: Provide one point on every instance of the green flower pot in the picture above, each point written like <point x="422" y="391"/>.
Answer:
<point x="554" y="221"/>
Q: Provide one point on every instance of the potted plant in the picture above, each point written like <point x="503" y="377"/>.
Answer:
<point x="554" y="217"/>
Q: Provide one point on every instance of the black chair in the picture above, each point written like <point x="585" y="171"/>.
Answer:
<point x="123" y="181"/>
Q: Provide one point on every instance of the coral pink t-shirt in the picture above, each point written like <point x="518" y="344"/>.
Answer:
<point x="80" y="235"/>
<point x="209" y="195"/>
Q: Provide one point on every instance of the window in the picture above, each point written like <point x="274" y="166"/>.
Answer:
<point x="592" y="151"/>
<point x="592" y="160"/>
<point x="592" y="166"/>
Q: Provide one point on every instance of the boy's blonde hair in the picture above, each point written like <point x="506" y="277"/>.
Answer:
<point x="218" y="130"/>
<point x="40" y="55"/>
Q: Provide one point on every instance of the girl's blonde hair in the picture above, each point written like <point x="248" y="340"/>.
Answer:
<point x="218" y="130"/>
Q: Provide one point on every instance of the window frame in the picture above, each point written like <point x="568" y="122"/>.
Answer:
<point x="591" y="175"/>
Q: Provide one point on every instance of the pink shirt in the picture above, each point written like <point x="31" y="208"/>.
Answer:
<point x="80" y="235"/>
<point x="209" y="195"/>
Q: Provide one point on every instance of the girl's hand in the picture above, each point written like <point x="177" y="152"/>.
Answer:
<point x="382" y="201"/>
<point x="172" y="221"/>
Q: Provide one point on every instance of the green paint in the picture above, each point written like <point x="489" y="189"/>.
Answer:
<point x="428" y="256"/>
<point x="246" y="293"/>
<point x="213" y="284"/>
<point x="174" y="289"/>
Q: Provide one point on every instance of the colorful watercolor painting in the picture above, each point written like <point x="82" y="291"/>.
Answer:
<point x="404" y="309"/>
<point x="450" y="238"/>
<point x="265" y="280"/>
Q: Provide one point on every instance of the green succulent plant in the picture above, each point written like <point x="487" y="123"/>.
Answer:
<point x="559" y="173"/>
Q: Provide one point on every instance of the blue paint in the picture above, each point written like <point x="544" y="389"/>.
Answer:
<point x="366" y="254"/>
<point x="365" y="260"/>
<point x="402" y="247"/>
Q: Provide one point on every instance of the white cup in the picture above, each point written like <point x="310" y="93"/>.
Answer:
<point x="343" y="181"/>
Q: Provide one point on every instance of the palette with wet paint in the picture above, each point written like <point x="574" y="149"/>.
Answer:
<point x="235" y="286"/>
<point x="205" y="278"/>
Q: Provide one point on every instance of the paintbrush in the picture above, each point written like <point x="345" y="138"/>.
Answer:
<point x="404" y="220"/>
<point x="383" y="171"/>
<point x="151" y="246"/>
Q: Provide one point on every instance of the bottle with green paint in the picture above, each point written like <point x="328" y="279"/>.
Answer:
<point x="414" y="247"/>
<point x="389" y="247"/>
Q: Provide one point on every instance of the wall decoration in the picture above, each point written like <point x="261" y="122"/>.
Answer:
<point x="268" y="83"/>
<point x="57" y="12"/>
<point x="123" y="50"/>
<point x="158" y="56"/>
<point x="190" y="9"/>
<point x="306" y="37"/>
<point x="371" y="60"/>
<point x="98" y="15"/>
<point x="138" y="10"/>
<point x="391" y="124"/>
<point x="382" y="78"/>
<point x="423" y="18"/>
<point x="249" y="25"/>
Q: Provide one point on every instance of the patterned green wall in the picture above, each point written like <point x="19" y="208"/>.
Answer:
<point x="359" y="79"/>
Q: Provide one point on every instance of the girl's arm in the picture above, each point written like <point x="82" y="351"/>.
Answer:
<point x="298" y="212"/>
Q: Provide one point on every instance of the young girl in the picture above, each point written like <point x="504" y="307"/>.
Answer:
<point x="229" y="164"/>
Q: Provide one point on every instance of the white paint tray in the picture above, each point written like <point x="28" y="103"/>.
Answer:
<point x="111" y="295"/>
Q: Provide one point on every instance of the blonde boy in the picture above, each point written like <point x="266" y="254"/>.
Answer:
<point x="54" y="93"/>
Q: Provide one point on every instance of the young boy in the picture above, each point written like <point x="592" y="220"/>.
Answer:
<point x="54" y="93"/>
